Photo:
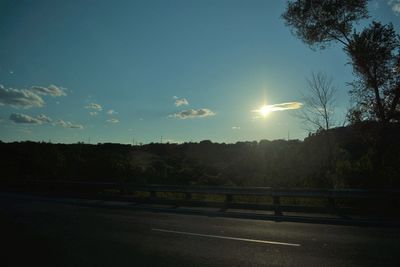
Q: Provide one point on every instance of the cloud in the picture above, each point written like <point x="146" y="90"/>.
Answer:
<point x="94" y="106"/>
<point x="113" y="120"/>
<point x="395" y="5"/>
<point x="93" y="113"/>
<point x="235" y="127"/>
<point x="285" y="106"/>
<point x="181" y="101"/>
<point x="111" y="112"/>
<point x="194" y="113"/>
<point x="67" y="124"/>
<point x="279" y="107"/>
<point x="41" y="119"/>
<point x="44" y="119"/>
<point x="20" y="98"/>
<point x="51" y="90"/>
<point x="23" y="118"/>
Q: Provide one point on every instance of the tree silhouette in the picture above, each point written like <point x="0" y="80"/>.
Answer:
<point x="374" y="52"/>
<point x="319" y="103"/>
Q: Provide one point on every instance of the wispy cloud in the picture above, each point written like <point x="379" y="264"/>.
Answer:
<point x="113" y="120"/>
<point x="285" y="106"/>
<point x="23" y="118"/>
<point x="68" y="124"/>
<point x="51" y="90"/>
<point x="93" y="113"/>
<point x="280" y="107"/>
<point x="194" y="113"/>
<point x="235" y="127"/>
<point x="112" y="112"/>
<point x="94" y="106"/>
<point x="181" y="101"/>
<point x="395" y="5"/>
<point x="20" y="98"/>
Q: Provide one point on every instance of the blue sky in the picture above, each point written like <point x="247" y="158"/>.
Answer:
<point x="114" y="71"/>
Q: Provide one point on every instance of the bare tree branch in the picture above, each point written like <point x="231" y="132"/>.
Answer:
<point x="319" y="102"/>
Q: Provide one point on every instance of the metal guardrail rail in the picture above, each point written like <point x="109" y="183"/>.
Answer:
<point x="386" y="200"/>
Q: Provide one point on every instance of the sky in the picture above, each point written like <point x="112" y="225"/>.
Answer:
<point x="145" y="71"/>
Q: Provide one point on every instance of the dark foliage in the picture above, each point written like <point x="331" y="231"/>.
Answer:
<point x="366" y="155"/>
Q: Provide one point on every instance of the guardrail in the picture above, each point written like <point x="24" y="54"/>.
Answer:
<point x="334" y="201"/>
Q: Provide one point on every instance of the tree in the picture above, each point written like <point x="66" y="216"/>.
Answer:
<point x="319" y="103"/>
<point x="374" y="52"/>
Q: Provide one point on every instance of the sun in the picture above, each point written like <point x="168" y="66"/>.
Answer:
<point x="264" y="110"/>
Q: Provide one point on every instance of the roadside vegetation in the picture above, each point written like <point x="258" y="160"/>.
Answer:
<point x="362" y="155"/>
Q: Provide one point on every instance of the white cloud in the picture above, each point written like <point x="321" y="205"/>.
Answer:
<point x="23" y="118"/>
<point x="279" y="107"/>
<point x="111" y="112"/>
<point x="93" y="113"/>
<point x="51" y="90"/>
<point x="113" y="120"/>
<point x="181" y="101"/>
<point x="20" y="98"/>
<point x="395" y="5"/>
<point x="44" y="119"/>
<point x="28" y="98"/>
<point x="235" y="127"/>
<point x="194" y="113"/>
<point x="285" y="106"/>
<point x="67" y="124"/>
<point x="94" y="106"/>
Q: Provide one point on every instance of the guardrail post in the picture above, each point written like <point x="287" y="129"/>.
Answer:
<point x="153" y="196"/>
<point x="123" y="189"/>
<point x="277" y="205"/>
<point x="228" y="201"/>
<point x="332" y="204"/>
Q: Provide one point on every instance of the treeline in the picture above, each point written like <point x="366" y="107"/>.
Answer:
<point x="366" y="155"/>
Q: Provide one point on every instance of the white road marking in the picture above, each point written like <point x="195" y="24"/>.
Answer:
<point x="228" y="237"/>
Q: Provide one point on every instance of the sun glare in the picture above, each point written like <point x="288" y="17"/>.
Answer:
<point x="264" y="110"/>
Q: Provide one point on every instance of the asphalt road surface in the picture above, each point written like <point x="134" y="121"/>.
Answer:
<point x="35" y="232"/>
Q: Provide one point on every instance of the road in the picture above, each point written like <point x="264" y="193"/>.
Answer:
<point x="53" y="233"/>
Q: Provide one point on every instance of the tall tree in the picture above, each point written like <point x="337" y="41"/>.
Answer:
<point x="374" y="52"/>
